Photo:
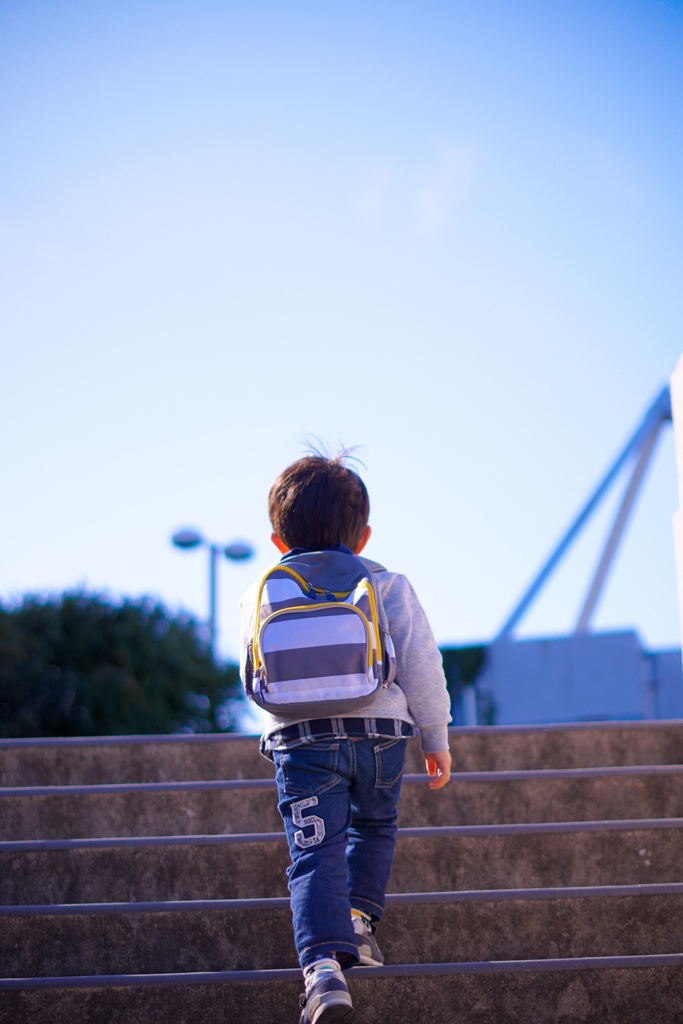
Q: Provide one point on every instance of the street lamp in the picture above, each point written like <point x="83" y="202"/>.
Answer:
<point x="236" y="552"/>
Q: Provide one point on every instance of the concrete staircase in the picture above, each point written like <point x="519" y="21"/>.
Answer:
<point x="143" y="879"/>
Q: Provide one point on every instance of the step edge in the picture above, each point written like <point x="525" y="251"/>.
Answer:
<point x="392" y="899"/>
<point x="522" y="828"/>
<point x="396" y="970"/>
<point x="194" y="738"/>
<point x="527" y="775"/>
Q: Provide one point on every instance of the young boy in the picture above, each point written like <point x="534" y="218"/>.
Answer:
<point x="339" y="779"/>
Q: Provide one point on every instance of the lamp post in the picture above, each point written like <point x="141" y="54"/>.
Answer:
<point x="236" y="552"/>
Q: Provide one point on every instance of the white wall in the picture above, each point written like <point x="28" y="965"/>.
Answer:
<point x="569" y="679"/>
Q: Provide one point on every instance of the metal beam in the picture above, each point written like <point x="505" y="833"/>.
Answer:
<point x="659" y="412"/>
<point x="617" y="530"/>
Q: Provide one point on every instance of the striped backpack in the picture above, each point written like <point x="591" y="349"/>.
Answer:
<point x="321" y="645"/>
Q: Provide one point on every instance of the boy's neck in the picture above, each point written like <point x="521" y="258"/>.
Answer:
<point x="330" y="547"/>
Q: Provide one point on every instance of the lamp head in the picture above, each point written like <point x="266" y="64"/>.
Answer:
<point x="238" y="552"/>
<point x="187" y="539"/>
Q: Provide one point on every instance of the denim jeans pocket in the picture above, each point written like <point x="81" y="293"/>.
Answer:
<point x="309" y="770"/>
<point x="390" y="759"/>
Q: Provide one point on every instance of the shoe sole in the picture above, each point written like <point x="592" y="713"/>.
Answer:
<point x="366" y="960"/>
<point x="365" y="957"/>
<point x="330" y="1009"/>
<point x="334" y="1012"/>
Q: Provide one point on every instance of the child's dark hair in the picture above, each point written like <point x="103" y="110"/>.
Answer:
<point x="317" y="502"/>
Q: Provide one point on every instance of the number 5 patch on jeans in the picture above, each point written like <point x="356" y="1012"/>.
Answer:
<point x="311" y="820"/>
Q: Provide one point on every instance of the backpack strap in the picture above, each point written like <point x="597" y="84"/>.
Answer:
<point x="388" y="650"/>
<point x="373" y="566"/>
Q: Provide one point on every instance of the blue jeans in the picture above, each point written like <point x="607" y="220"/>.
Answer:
<point x="338" y="801"/>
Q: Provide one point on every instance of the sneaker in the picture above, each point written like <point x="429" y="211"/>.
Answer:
<point x="326" y="998"/>
<point x="369" y="952"/>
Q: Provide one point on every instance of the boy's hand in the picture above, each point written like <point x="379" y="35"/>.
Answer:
<point x="439" y="768"/>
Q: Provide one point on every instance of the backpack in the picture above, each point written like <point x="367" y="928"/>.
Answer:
<point x="321" y="644"/>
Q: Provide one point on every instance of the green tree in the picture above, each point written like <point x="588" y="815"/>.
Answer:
<point x="77" y="664"/>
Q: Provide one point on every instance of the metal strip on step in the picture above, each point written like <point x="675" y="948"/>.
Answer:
<point x="437" y="832"/>
<point x="548" y="893"/>
<point x="539" y="828"/>
<point x="108" y="789"/>
<point x="192" y="738"/>
<point x="392" y="899"/>
<point x="141" y="907"/>
<point x="394" y="971"/>
<point x="530" y="775"/>
<point x="39" y="845"/>
<point x="659" y="723"/>
<point x="516" y="966"/>
<point x="123" y="741"/>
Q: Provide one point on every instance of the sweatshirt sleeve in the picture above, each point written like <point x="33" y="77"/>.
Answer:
<point x="419" y="668"/>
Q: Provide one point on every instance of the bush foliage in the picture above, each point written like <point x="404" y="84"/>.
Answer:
<point x="78" y="664"/>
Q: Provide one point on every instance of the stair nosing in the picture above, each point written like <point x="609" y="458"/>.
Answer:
<point x="392" y="899"/>
<point x="528" y="828"/>
<point x="201" y="738"/>
<point x="395" y="970"/>
<point x="527" y="775"/>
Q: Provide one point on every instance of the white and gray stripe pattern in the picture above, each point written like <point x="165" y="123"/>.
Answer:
<point x="315" y="646"/>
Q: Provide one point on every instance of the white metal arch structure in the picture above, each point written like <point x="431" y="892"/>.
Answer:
<point x="639" y="449"/>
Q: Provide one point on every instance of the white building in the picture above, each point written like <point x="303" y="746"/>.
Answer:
<point x="587" y="677"/>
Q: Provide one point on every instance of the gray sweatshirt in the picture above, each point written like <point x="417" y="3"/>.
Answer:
<point x="418" y="695"/>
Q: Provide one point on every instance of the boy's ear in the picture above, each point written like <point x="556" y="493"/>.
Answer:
<point x="364" y="539"/>
<point x="279" y="544"/>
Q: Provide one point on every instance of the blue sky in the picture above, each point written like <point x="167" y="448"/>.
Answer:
<point x="449" y="234"/>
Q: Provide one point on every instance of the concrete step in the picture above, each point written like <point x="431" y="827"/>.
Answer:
<point x="106" y="759"/>
<point x="253" y="865"/>
<point x="642" y="990"/>
<point x="147" y="809"/>
<point x="574" y="745"/>
<point x="561" y="953"/>
<point x="152" y="938"/>
<point x="222" y="808"/>
<point x="176" y="758"/>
